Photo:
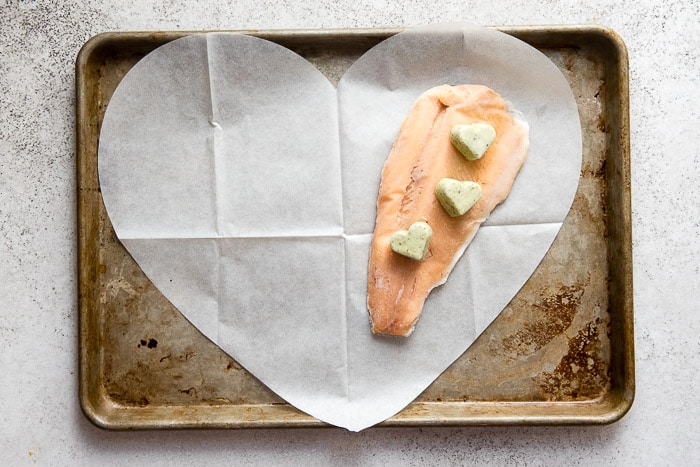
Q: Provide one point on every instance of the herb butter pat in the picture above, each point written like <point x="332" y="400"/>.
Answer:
<point x="412" y="243"/>
<point x="457" y="197"/>
<point x="472" y="140"/>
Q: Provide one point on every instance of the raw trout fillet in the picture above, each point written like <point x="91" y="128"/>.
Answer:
<point x="421" y="156"/>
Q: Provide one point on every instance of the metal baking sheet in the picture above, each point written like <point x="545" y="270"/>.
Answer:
<point x="560" y="353"/>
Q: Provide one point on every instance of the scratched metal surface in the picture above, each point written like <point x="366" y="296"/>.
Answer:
<point x="565" y="338"/>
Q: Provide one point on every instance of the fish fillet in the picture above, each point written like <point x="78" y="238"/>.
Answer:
<point x="422" y="155"/>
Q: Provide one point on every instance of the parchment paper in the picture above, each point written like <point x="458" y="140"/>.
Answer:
<point x="245" y="186"/>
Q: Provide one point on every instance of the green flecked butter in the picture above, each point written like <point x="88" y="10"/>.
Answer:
<point x="457" y="197"/>
<point x="413" y="242"/>
<point x="472" y="140"/>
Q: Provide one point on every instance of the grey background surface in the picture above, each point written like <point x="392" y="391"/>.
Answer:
<point x="39" y="411"/>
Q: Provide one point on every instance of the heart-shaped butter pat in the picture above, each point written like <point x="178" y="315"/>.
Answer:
<point x="472" y="140"/>
<point x="457" y="197"/>
<point x="413" y="242"/>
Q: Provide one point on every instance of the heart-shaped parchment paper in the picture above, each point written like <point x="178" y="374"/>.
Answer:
<point x="244" y="185"/>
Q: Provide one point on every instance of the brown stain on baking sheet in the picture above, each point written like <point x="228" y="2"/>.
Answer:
<point x="557" y="311"/>
<point x="581" y="373"/>
<point x="150" y="343"/>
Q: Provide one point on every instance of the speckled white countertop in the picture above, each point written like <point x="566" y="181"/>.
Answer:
<point x="39" y="411"/>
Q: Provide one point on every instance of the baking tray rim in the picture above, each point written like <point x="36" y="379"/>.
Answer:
<point x="610" y="408"/>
